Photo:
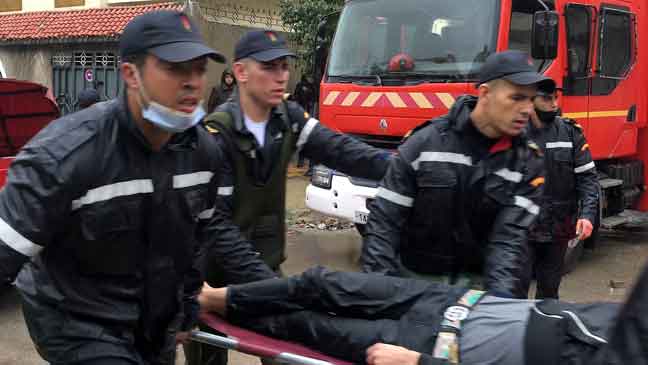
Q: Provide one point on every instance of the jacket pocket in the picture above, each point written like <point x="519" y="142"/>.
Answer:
<point x="111" y="238"/>
<point x="435" y="198"/>
<point x="432" y="219"/>
<point x="560" y="175"/>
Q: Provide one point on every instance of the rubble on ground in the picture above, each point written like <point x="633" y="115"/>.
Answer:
<point x="298" y="219"/>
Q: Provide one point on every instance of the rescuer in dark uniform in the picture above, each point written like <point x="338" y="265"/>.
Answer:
<point x="259" y="132"/>
<point x="108" y="209"/>
<point x="571" y="181"/>
<point x="459" y="197"/>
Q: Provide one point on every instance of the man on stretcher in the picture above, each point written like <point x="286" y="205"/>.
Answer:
<point x="382" y="320"/>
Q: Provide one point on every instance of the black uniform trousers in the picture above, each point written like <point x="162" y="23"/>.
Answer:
<point x="547" y="263"/>
<point x="342" y="314"/>
<point x="348" y="312"/>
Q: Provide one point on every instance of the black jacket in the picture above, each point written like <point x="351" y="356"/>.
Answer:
<point x="570" y="178"/>
<point x="453" y="201"/>
<point x="316" y="141"/>
<point x="221" y="93"/>
<point x="113" y="229"/>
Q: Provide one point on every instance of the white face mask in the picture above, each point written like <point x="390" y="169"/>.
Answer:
<point x="165" y="118"/>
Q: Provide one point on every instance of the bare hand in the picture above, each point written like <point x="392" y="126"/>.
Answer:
<point x="182" y="338"/>
<point x="212" y="299"/>
<point x="384" y="354"/>
<point x="584" y="229"/>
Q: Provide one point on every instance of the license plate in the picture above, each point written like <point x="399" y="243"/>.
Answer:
<point x="361" y="217"/>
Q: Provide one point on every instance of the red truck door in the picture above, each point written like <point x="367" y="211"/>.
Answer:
<point x="580" y="25"/>
<point x="607" y="83"/>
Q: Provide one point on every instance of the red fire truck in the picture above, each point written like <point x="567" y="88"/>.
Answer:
<point x="394" y="64"/>
<point x="25" y="108"/>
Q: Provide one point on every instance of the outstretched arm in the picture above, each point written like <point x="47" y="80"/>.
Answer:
<point x="337" y="150"/>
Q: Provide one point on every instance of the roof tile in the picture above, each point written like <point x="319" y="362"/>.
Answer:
<point x="97" y="22"/>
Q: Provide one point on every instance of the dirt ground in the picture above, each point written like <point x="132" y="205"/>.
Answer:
<point x="617" y="259"/>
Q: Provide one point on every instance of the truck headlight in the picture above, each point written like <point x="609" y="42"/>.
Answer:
<point x="322" y="177"/>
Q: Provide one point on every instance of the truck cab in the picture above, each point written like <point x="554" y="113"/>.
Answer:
<point x="393" y="65"/>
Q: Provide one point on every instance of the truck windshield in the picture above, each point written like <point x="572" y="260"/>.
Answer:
<point x="413" y="40"/>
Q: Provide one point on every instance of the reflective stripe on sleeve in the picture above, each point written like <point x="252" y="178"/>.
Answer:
<point x="225" y="190"/>
<point x="306" y="132"/>
<point x="527" y="204"/>
<point x="206" y="214"/>
<point x="394" y="197"/>
<point x="111" y="191"/>
<point x="509" y="175"/>
<point x="17" y="241"/>
<point x="586" y="167"/>
<point x="450" y="157"/>
<point x="550" y="145"/>
<point x="193" y="179"/>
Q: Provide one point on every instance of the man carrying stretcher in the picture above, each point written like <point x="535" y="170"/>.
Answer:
<point x="382" y="320"/>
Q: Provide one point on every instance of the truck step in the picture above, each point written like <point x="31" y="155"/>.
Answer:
<point x="627" y="217"/>
<point x="614" y="222"/>
<point x="610" y="183"/>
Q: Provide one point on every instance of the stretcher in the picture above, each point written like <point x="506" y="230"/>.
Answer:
<point x="252" y="343"/>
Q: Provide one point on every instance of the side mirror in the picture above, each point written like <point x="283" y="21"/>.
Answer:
<point x="544" y="35"/>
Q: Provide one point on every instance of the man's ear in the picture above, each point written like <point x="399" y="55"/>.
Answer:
<point x="240" y="71"/>
<point x="484" y="91"/>
<point x="128" y="75"/>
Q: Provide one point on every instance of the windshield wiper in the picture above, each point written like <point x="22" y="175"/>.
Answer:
<point x="358" y="79"/>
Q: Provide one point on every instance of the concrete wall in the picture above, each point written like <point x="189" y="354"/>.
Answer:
<point x="222" y="33"/>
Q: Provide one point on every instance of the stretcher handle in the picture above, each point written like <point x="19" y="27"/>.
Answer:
<point x="231" y="344"/>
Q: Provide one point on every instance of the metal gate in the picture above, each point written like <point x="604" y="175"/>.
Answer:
<point x="74" y="71"/>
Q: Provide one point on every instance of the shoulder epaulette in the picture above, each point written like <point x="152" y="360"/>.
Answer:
<point x="573" y="122"/>
<point x="415" y="129"/>
<point x="217" y="121"/>
<point x="534" y="147"/>
<point x="211" y="129"/>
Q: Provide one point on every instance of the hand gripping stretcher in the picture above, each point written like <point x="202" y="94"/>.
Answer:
<point x="252" y="343"/>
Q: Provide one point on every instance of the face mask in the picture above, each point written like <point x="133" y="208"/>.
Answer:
<point x="547" y="117"/>
<point x="166" y="118"/>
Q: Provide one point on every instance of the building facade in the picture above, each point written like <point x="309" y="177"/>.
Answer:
<point x="70" y="45"/>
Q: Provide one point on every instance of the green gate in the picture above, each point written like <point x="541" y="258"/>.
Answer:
<point x="73" y="71"/>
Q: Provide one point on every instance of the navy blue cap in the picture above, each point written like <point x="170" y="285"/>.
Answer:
<point x="262" y="45"/>
<point x="169" y="35"/>
<point x="514" y="66"/>
<point x="87" y="97"/>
